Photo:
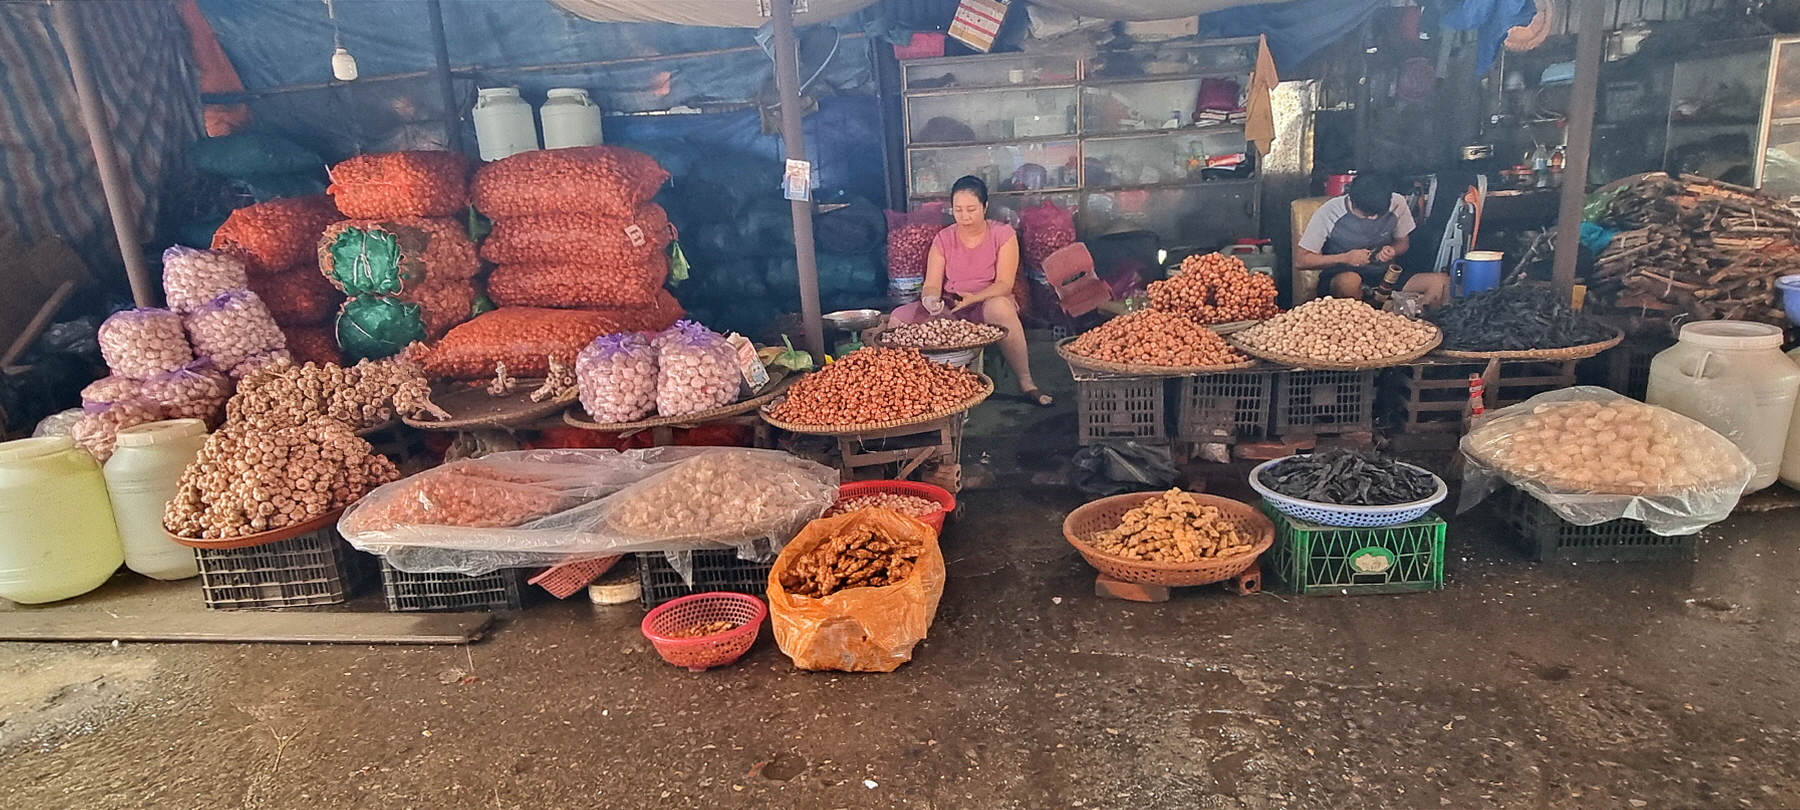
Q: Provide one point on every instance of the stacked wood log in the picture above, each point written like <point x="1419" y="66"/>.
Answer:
<point x="1710" y="249"/>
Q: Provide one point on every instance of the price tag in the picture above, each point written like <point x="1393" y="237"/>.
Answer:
<point x="796" y="184"/>
<point x="635" y="234"/>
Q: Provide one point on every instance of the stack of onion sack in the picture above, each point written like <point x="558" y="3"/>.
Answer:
<point x="410" y="279"/>
<point x="873" y="385"/>
<point x="575" y="228"/>
<point x="277" y="242"/>
<point x="524" y="338"/>
<point x="288" y="451"/>
<point x="403" y="256"/>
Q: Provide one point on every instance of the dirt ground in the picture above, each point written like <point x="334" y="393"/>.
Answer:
<point x="1521" y="685"/>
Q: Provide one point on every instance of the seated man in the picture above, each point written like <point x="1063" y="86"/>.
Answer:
<point x="1355" y="237"/>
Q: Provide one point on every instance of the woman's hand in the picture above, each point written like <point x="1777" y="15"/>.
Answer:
<point x="967" y="301"/>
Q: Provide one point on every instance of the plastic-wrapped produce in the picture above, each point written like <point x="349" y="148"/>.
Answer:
<point x="97" y="431"/>
<point x="232" y="328"/>
<point x="387" y="257"/>
<point x="299" y="296"/>
<point x="193" y="278"/>
<point x="616" y="376"/>
<point x="111" y="389"/>
<point x="257" y="362"/>
<point x="144" y="342"/>
<point x="603" y="179"/>
<point x="401" y="184"/>
<point x="273" y="236"/>
<point x="196" y="392"/>
<point x="524" y="337"/>
<point x="909" y="240"/>
<point x="61" y="423"/>
<point x="696" y="370"/>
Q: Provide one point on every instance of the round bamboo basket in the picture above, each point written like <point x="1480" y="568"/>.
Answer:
<point x="1140" y="370"/>
<point x="261" y="538"/>
<point x="1105" y="514"/>
<point x="1327" y="365"/>
<point x="1581" y="352"/>
<point x="576" y="416"/>
<point x="881" y="340"/>
<point x="846" y="430"/>
<point x="473" y="407"/>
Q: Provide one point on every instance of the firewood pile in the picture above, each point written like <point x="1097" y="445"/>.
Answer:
<point x="1695" y="245"/>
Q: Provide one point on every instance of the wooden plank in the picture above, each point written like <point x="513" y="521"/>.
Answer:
<point x="273" y="627"/>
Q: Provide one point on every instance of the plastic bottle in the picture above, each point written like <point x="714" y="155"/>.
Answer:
<point x="57" y="538"/>
<point x="504" y="125"/>
<point x="1732" y="377"/>
<point x="570" y="118"/>
<point x="141" y="478"/>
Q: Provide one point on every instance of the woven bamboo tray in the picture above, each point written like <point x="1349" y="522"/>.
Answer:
<point x="1581" y="352"/>
<point x="846" y="430"/>
<point x="472" y="407"/>
<point x="261" y="538"/>
<point x="1106" y="513"/>
<point x="880" y="340"/>
<point x="1139" y="370"/>
<point x="1437" y="337"/>
<point x="576" y="416"/>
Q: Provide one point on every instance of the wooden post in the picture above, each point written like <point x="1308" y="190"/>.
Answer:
<point x="99" y="131"/>
<point x="440" y="52"/>
<point x="1588" y="49"/>
<point x="793" y="140"/>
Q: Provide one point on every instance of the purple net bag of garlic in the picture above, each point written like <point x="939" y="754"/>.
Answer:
<point x="108" y="390"/>
<point x="697" y="370"/>
<point x="616" y="377"/>
<point x="98" y="429"/>
<point x="192" y="278"/>
<point x="142" y="343"/>
<point x="198" y="391"/>
<point x="232" y="328"/>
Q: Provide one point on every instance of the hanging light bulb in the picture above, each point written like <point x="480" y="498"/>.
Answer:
<point x="343" y="65"/>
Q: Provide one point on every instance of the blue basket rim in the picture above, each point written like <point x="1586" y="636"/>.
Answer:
<point x="1437" y="496"/>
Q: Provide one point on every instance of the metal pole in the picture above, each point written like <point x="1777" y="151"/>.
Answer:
<point x="112" y="179"/>
<point x="793" y="139"/>
<point x="1588" y="48"/>
<point x="440" y="50"/>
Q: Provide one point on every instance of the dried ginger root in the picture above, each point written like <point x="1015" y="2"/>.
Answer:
<point x="857" y="557"/>
<point x="1173" y="527"/>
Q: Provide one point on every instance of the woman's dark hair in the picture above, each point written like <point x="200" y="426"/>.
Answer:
<point x="1372" y="193"/>
<point x="972" y="184"/>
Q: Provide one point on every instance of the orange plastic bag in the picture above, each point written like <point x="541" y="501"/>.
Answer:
<point x="273" y="236"/>
<point x="401" y="184"/>
<point x="603" y="179"/>
<point x="524" y="338"/>
<point x="858" y="629"/>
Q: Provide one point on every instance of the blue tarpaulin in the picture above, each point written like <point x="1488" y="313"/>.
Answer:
<point x="1295" y="29"/>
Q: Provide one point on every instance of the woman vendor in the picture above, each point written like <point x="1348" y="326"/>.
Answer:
<point x="970" y="274"/>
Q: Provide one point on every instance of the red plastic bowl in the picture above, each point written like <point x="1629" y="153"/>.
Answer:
<point x="930" y="492"/>
<point x="705" y="652"/>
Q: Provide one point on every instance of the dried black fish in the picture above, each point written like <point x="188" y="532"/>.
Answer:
<point x="1525" y="317"/>
<point x="1347" y="477"/>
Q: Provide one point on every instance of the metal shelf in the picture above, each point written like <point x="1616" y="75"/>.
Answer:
<point x="1162" y="133"/>
<point x="1070" y="137"/>
<point x="1226" y="183"/>
<point x="1166" y="77"/>
<point x="961" y="89"/>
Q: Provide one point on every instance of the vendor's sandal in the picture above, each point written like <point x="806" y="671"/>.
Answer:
<point x="1038" y="398"/>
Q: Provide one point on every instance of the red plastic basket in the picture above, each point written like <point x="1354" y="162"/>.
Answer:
<point x="705" y="652"/>
<point x="923" y="45"/>
<point x="930" y="492"/>
<point x="564" y="581"/>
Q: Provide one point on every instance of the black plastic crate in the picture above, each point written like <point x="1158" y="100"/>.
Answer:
<point x="500" y="590"/>
<point x="312" y="569"/>
<point x="1130" y="408"/>
<point x="714" y="570"/>
<point x="1324" y="401"/>
<point x="1224" y="407"/>
<point x="1543" y="535"/>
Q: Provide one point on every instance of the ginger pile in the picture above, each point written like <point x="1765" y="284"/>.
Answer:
<point x="856" y="557"/>
<point x="1173" y="527"/>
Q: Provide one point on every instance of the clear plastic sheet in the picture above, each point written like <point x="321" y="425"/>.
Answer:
<point x="1593" y="455"/>
<point x="543" y="507"/>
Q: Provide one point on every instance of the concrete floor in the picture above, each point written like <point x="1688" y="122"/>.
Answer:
<point x="1520" y="685"/>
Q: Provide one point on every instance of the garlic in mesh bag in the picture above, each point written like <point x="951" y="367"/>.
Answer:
<point x="232" y="328"/>
<point x="144" y="342"/>
<point x="192" y="278"/>
<point x="697" y="370"/>
<point x="1593" y="455"/>
<point x="198" y="391"/>
<point x="98" y="429"/>
<point x="108" y="390"/>
<point x="616" y="377"/>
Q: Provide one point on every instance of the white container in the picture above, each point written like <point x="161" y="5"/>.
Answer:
<point x="570" y="118"/>
<point x="1732" y="377"/>
<point x="141" y="477"/>
<point x="57" y="538"/>
<point x="504" y="125"/>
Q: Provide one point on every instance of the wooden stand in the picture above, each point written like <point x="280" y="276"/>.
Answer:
<point x="1106" y="587"/>
<point x="1437" y="391"/>
<point x="869" y="455"/>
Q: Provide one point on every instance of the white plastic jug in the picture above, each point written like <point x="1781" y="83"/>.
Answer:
<point x="141" y="478"/>
<point x="504" y="125"/>
<point x="56" y="528"/>
<point x="1732" y="377"/>
<point x="1790" y="457"/>
<point x="570" y="118"/>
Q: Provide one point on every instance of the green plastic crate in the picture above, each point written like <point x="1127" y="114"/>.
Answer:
<point x="1317" y="560"/>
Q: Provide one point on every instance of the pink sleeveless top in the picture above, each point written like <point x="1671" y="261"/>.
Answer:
<point x="971" y="269"/>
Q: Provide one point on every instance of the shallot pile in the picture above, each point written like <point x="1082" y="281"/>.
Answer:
<point x="876" y="385"/>
<point x="1215" y="288"/>
<point x="940" y="333"/>
<point x="1153" y="338"/>
<point x="910" y="505"/>
<point x="1339" y="330"/>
